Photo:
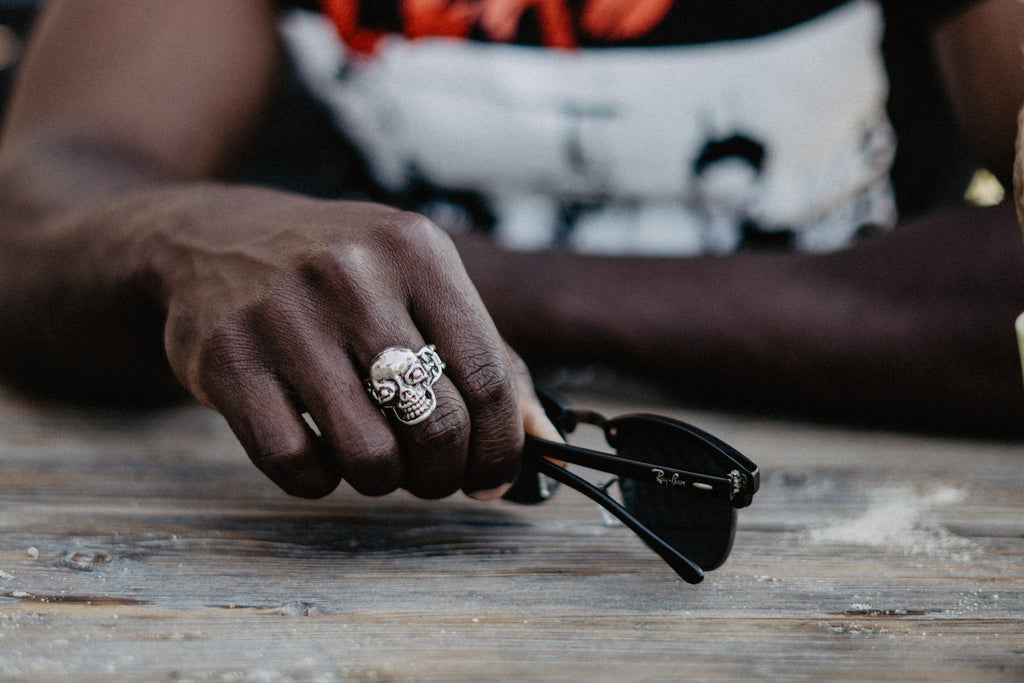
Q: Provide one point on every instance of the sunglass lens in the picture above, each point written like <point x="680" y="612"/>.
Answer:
<point x="699" y="526"/>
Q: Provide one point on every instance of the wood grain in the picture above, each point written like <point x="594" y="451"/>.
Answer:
<point x="146" y="547"/>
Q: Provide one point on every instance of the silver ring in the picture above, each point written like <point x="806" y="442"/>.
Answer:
<point x="401" y="382"/>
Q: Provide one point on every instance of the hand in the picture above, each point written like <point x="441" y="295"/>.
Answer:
<point x="277" y="306"/>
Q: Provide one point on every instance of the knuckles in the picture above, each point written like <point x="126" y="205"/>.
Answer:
<point x="384" y="254"/>
<point x="414" y="245"/>
<point x="437" y="451"/>
<point x="492" y="393"/>
<point x="410" y="232"/>
<point x="490" y="381"/>
<point x="284" y="460"/>
<point x="372" y="466"/>
<point x="226" y="355"/>
<point x="344" y="270"/>
<point x="447" y="431"/>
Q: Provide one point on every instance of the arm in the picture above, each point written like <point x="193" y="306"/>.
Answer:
<point x="908" y="329"/>
<point x="912" y="329"/>
<point x="125" y="262"/>
<point x="979" y="55"/>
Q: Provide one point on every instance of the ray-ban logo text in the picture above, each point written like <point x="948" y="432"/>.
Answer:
<point x="673" y="481"/>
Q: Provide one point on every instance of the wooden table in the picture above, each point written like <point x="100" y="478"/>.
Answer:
<point x="146" y="547"/>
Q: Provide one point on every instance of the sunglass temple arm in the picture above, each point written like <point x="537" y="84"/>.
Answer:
<point x="684" y="567"/>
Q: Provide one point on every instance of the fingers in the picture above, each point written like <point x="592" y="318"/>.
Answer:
<point x="535" y="420"/>
<point x="405" y="286"/>
<point x="448" y="311"/>
<point x="357" y="438"/>
<point x="496" y="429"/>
<point x="432" y="452"/>
<point x="308" y="343"/>
<point x="426" y="413"/>
<point x="266" y="423"/>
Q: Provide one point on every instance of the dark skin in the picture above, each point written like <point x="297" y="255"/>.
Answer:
<point x="911" y="329"/>
<point x="120" y="240"/>
<point x="131" y="269"/>
<point x="926" y="346"/>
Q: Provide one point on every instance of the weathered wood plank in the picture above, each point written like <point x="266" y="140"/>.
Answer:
<point x="148" y="548"/>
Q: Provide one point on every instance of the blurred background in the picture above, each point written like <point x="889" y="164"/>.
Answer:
<point x="16" y="17"/>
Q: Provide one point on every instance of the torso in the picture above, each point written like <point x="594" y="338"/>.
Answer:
<point x="649" y="134"/>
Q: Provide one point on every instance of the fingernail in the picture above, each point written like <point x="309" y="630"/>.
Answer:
<point x="545" y="430"/>
<point x="537" y="424"/>
<point x="490" y="494"/>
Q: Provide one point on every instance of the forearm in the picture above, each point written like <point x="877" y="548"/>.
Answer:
<point x="912" y="327"/>
<point x="81" y="313"/>
<point x="93" y="246"/>
<point x="113" y="111"/>
<point x="978" y="53"/>
<point x="123" y="267"/>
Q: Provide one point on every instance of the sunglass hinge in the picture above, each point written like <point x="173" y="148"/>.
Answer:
<point x="738" y="480"/>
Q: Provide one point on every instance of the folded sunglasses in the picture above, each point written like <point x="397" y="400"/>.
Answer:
<point x="680" y="486"/>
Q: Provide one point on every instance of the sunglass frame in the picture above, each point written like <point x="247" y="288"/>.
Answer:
<point x="738" y="487"/>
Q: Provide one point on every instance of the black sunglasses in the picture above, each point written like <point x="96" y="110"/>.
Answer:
<point x="680" y="486"/>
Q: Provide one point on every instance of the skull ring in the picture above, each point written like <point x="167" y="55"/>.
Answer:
<point x="401" y="382"/>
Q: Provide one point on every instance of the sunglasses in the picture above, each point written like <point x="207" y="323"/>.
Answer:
<point x="680" y="487"/>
